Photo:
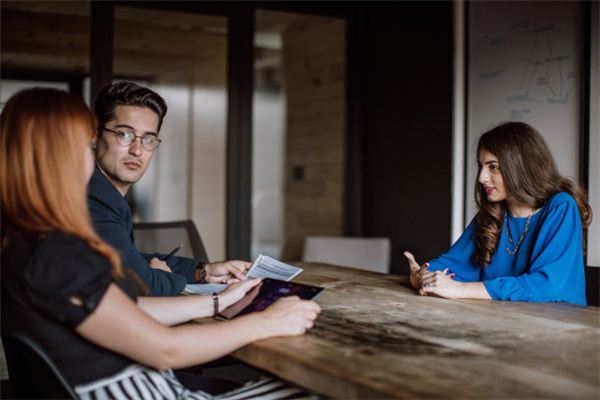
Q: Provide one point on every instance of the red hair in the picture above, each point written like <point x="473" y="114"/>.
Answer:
<point x="44" y="136"/>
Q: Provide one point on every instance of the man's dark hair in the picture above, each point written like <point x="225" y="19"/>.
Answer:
<point x="127" y="94"/>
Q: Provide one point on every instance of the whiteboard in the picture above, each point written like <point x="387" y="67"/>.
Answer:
<point x="524" y="64"/>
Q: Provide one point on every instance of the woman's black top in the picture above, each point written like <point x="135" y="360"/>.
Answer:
<point x="40" y="277"/>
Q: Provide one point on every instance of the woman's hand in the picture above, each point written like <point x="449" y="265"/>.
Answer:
<point x="236" y="291"/>
<point x="416" y="270"/>
<point x="289" y="316"/>
<point x="441" y="284"/>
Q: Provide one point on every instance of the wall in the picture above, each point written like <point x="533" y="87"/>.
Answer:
<point x="406" y="126"/>
<point x="268" y="172"/>
<point x="314" y="80"/>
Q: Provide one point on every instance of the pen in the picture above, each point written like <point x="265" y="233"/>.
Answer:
<point x="172" y="253"/>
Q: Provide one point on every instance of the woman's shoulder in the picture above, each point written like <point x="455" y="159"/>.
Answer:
<point x="64" y="261"/>
<point x="60" y="243"/>
<point x="69" y="252"/>
<point x="561" y="202"/>
<point x="42" y="245"/>
<point x="561" y="198"/>
<point x="52" y="261"/>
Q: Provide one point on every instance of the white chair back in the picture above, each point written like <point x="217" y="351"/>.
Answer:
<point x="371" y="254"/>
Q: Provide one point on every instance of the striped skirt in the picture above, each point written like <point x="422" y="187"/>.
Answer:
<point x="139" y="382"/>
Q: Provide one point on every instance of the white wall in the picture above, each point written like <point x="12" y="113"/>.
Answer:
<point x="208" y="201"/>
<point x="9" y="87"/>
<point x="186" y="178"/>
<point x="268" y="156"/>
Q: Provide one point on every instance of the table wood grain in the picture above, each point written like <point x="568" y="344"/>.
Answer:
<point x="376" y="338"/>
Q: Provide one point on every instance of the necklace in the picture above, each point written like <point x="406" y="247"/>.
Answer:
<point x="509" y="238"/>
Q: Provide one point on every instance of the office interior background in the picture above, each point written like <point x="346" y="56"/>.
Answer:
<point x="289" y="119"/>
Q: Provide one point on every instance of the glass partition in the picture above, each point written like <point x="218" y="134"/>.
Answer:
<point x="182" y="56"/>
<point x="298" y="131"/>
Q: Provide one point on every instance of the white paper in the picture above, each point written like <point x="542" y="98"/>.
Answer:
<point x="204" y="288"/>
<point x="267" y="267"/>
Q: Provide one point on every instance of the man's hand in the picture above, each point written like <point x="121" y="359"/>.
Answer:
<point x="226" y="271"/>
<point x="416" y="270"/>
<point x="159" y="264"/>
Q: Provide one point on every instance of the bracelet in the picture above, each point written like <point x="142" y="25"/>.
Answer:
<point x="215" y="304"/>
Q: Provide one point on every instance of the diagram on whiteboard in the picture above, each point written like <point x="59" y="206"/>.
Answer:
<point x="524" y="62"/>
<point x="531" y="58"/>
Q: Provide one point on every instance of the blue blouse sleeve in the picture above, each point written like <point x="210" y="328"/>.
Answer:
<point x="458" y="258"/>
<point x="556" y="262"/>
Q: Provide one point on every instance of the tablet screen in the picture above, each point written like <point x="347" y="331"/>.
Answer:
<point x="266" y="293"/>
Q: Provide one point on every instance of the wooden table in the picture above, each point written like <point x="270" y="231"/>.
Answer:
<point x="376" y="339"/>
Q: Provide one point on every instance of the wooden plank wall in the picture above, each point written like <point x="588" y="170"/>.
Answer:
<point x="314" y="81"/>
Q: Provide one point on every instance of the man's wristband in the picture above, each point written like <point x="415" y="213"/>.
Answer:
<point x="201" y="272"/>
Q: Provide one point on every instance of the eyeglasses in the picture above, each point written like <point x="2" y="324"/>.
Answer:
<point x="126" y="138"/>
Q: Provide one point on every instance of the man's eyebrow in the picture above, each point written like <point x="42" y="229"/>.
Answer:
<point x="125" y="126"/>
<point x="133" y="129"/>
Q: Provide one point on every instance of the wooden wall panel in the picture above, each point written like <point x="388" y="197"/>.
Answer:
<point x="315" y="87"/>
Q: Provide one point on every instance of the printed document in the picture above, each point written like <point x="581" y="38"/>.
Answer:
<point x="267" y="267"/>
<point x="263" y="267"/>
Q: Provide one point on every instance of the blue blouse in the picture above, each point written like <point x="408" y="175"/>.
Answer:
<point x="548" y="266"/>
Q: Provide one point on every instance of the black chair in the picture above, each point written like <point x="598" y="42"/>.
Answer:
<point x="162" y="237"/>
<point x="592" y="283"/>
<point x="32" y="374"/>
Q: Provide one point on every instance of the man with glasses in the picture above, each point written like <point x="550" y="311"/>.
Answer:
<point x="129" y="120"/>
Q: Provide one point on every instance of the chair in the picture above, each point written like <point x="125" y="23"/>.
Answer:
<point x="592" y="283"/>
<point x="371" y="254"/>
<point x="162" y="237"/>
<point x="32" y="374"/>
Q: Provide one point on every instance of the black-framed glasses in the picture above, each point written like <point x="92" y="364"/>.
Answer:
<point x="126" y="138"/>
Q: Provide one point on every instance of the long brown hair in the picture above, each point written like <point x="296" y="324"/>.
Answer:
<point x="530" y="176"/>
<point x="44" y="136"/>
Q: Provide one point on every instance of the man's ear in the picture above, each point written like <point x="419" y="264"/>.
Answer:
<point x="99" y="143"/>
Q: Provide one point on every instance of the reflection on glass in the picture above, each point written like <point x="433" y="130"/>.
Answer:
<point x="298" y="132"/>
<point x="44" y="44"/>
<point x="182" y="56"/>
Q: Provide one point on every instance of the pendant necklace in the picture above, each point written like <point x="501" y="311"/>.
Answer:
<point x="509" y="238"/>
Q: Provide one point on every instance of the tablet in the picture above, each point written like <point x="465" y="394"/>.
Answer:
<point x="266" y="293"/>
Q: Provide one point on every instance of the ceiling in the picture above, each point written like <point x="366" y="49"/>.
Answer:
<point x="53" y="37"/>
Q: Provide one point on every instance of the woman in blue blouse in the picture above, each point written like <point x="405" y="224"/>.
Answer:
<point x="525" y="243"/>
